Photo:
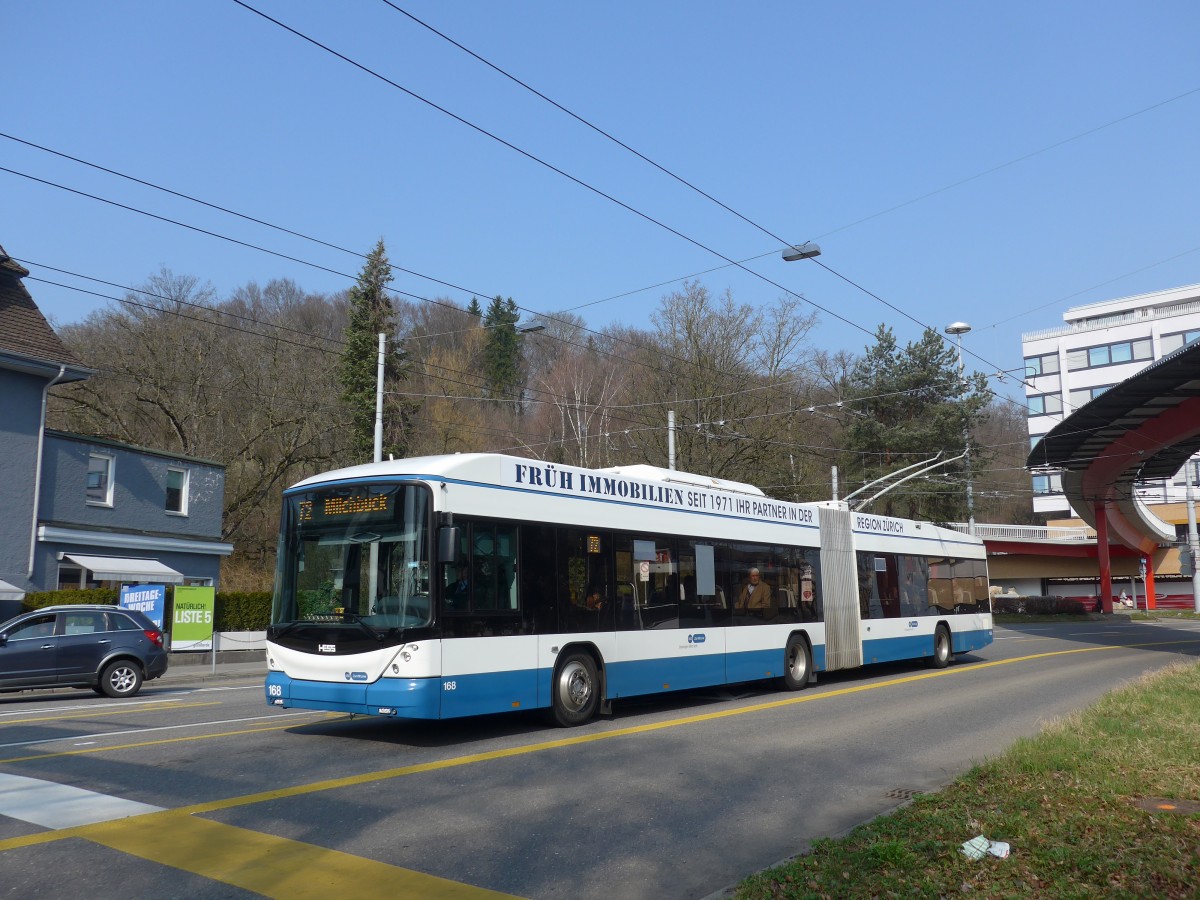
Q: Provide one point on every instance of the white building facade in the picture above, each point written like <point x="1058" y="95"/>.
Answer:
<point x="1100" y="345"/>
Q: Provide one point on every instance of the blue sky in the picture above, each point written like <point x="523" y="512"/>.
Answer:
<point x="916" y="142"/>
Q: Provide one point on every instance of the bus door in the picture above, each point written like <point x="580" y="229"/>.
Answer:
<point x="489" y="660"/>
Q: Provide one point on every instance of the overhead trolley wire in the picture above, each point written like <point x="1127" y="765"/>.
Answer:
<point x="553" y="168"/>
<point x="300" y="261"/>
<point x="587" y="186"/>
<point x="757" y="225"/>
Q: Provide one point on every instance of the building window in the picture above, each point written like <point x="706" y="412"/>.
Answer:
<point x="177" y="491"/>
<point x="1047" y="484"/>
<point x="1044" y="404"/>
<point x="1047" y="364"/>
<point x="70" y="578"/>
<point x="1086" y="395"/>
<point x="100" y="479"/>
<point x="1110" y="354"/>
<point x="1172" y="342"/>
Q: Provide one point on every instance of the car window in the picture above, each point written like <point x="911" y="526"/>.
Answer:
<point x="121" y="622"/>
<point x="88" y="622"/>
<point x="37" y="627"/>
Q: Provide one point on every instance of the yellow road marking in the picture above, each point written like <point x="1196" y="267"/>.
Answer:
<point x="269" y="865"/>
<point x="171" y="705"/>
<point x="403" y="771"/>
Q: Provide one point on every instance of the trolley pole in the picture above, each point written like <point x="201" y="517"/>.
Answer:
<point x="378" y="457"/>
<point x="373" y="553"/>
<point x="671" y="439"/>
<point x="1193" y="540"/>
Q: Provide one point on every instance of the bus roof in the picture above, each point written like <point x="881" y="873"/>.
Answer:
<point x="486" y="467"/>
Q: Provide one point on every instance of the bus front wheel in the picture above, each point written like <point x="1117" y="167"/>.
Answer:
<point x="576" y="689"/>
<point x="942" y="650"/>
<point x="797" y="663"/>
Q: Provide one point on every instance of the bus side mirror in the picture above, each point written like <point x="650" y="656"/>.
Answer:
<point x="448" y="544"/>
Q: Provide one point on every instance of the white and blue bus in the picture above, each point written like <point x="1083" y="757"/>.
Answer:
<point x="448" y="586"/>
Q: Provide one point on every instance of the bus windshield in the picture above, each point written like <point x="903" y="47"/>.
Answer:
<point x="355" y="553"/>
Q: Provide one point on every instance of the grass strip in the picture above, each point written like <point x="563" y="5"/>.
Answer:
<point x="1082" y="806"/>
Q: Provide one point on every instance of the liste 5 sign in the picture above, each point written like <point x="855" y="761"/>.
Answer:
<point x="192" y="618"/>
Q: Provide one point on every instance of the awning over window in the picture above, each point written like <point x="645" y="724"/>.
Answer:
<point x="115" y="568"/>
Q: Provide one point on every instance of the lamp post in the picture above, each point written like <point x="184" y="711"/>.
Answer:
<point x="958" y="329"/>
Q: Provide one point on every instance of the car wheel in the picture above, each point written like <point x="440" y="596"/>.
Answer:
<point x="576" y="690"/>
<point x="122" y="678"/>
<point x="942" y="650"/>
<point x="797" y="663"/>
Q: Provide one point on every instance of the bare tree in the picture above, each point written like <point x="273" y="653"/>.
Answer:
<point x="249" y="384"/>
<point x="733" y="374"/>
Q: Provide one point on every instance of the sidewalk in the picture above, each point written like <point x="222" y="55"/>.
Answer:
<point x="199" y="666"/>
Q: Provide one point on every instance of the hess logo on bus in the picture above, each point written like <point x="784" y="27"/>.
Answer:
<point x="327" y="648"/>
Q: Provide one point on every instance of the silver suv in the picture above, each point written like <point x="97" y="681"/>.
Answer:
<point x="108" y="649"/>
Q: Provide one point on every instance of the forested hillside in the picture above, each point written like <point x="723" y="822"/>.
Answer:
<point x="277" y="384"/>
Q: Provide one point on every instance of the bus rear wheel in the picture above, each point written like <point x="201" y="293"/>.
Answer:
<point x="942" y="649"/>
<point x="797" y="663"/>
<point x="576" y="690"/>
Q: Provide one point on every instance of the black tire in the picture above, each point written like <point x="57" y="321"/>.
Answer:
<point x="122" y="678"/>
<point x="943" y="650"/>
<point x="797" y="663"/>
<point x="576" y="689"/>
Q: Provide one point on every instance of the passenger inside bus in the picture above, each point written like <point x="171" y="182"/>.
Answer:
<point x="756" y="594"/>
<point x="593" y="599"/>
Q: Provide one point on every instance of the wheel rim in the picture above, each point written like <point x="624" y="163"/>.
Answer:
<point x="797" y="664"/>
<point x="574" y="687"/>
<point x="122" y="679"/>
<point x="943" y="646"/>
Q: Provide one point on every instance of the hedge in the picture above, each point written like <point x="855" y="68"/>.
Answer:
<point x="234" y="610"/>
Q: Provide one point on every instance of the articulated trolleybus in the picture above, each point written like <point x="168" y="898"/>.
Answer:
<point x="457" y="585"/>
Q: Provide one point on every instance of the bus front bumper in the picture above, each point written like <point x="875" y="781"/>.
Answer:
<point x="405" y="698"/>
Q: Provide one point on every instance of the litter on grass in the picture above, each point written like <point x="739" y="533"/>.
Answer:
<point x="979" y="847"/>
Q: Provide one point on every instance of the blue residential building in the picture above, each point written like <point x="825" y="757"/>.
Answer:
<point x="83" y="511"/>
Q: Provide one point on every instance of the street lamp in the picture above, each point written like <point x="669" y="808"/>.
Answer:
<point x="958" y="329"/>
<point x="807" y="250"/>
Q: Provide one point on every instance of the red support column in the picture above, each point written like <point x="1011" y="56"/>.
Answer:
<point x="1151" y="602"/>
<point x="1102" y="555"/>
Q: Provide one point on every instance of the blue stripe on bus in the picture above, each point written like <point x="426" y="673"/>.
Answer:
<point x="651" y="676"/>
<point x="472" y="695"/>
<point x="909" y="647"/>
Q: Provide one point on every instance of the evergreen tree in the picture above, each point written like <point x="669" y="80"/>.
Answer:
<point x="502" y="350"/>
<point x="912" y="403"/>
<point x="474" y="308"/>
<point x="370" y="313"/>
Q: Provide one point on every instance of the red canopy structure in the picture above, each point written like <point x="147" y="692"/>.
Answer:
<point x="1146" y="427"/>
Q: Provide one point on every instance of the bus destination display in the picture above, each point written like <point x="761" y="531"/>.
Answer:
<point x="362" y="506"/>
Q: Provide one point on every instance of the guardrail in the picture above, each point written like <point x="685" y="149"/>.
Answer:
<point x="1042" y="533"/>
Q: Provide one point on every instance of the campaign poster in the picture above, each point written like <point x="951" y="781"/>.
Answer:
<point x="192" y="618"/>
<point x="150" y="599"/>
